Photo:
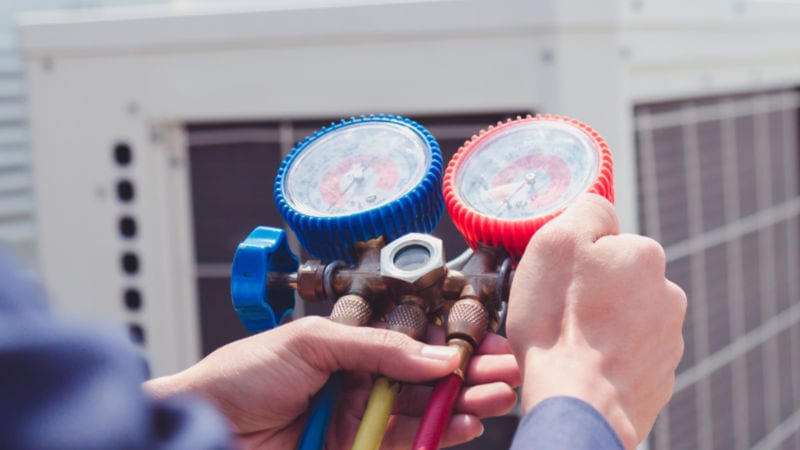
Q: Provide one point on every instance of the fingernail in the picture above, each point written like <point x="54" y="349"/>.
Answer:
<point x="482" y="430"/>
<point x="439" y="352"/>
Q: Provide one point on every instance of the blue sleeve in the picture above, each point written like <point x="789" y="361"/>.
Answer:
<point x="561" y="423"/>
<point x="70" y="386"/>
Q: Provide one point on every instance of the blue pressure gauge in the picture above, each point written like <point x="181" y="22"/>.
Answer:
<point x="360" y="179"/>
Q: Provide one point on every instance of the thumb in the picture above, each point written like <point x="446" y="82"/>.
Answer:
<point x="331" y="347"/>
<point x="588" y="218"/>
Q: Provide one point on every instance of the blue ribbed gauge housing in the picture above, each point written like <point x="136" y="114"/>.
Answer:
<point x="359" y="179"/>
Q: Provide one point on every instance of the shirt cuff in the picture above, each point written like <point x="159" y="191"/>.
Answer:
<point x="559" y="423"/>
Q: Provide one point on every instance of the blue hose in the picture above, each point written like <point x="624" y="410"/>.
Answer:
<point x="319" y="420"/>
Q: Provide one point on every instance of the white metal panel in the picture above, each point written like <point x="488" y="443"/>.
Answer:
<point x="14" y="172"/>
<point x="430" y="76"/>
<point x="78" y="209"/>
<point x="207" y="27"/>
<point x="687" y="48"/>
<point x="678" y="63"/>
<point x="709" y="13"/>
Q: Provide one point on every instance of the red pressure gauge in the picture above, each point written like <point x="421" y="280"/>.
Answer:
<point x="509" y="180"/>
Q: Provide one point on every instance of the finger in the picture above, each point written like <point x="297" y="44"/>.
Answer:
<point x="484" y="369"/>
<point x="486" y="400"/>
<point x="588" y="218"/>
<point x="401" y="431"/>
<point x="627" y="250"/>
<point x="434" y="334"/>
<point x="331" y="347"/>
<point x="462" y="428"/>
<point x="494" y="344"/>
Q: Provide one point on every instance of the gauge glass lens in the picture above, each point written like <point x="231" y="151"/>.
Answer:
<point x="527" y="170"/>
<point x="356" y="168"/>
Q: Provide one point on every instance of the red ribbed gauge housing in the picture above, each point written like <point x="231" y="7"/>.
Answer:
<point x="509" y="180"/>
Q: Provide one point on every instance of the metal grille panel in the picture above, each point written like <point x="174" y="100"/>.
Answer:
<point x="718" y="187"/>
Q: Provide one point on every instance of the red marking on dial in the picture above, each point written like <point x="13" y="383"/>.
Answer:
<point x="334" y="184"/>
<point x="507" y="182"/>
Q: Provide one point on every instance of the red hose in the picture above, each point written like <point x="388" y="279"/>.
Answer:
<point x="437" y="414"/>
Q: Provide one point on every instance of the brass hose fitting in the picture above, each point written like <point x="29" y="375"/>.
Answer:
<point x="467" y="323"/>
<point x="352" y="309"/>
<point x="409" y="318"/>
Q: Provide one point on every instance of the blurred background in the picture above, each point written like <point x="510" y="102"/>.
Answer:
<point x="139" y="142"/>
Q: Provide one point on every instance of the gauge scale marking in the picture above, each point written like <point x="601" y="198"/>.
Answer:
<point x="356" y="168"/>
<point x="527" y="170"/>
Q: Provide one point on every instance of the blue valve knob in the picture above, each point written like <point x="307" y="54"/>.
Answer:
<point x="260" y="307"/>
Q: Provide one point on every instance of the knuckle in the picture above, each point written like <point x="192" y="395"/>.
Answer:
<point x="314" y="330"/>
<point x="683" y="303"/>
<point x="600" y="202"/>
<point x="603" y="208"/>
<point x="552" y="239"/>
<point x="651" y="253"/>
<point x="311" y="325"/>
<point x="680" y="299"/>
<point x="305" y="336"/>
<point x="391" y="347"/>
<point x="679" y="349"/>
<point x="391" y="339"/>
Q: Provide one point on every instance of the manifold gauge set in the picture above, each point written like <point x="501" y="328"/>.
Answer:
<point x="363" y="195"/>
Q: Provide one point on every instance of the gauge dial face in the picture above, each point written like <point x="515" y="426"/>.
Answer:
<point x="527" y="170"/>
<point x="356" y="168"/>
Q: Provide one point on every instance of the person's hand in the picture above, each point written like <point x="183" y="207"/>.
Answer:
<point x="592" y="316"/>
<point x="263" y="384"/>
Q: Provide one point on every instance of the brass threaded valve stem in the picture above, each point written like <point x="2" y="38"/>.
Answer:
<point x="468" y="320"/>
<point x="467" y="323"/>
<point x="465" y="351"/>
<point x="409" y="318"/>
<point x="351" y="309"/>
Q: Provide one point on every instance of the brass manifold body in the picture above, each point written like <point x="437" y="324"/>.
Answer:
<point x="408" y="284"/>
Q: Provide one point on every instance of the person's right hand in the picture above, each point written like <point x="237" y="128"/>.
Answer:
<point x="592" y="316"/>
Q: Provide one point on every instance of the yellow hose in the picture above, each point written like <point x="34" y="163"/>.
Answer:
<point x="376" y="416"/>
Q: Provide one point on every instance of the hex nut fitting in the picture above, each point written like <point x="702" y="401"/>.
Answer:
<point x="309" y="281"/>
<point x="418" y="276"/>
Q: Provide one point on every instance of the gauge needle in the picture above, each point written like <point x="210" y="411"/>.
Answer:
<point x="530" y="180"/>
<point x="357" y="175"/>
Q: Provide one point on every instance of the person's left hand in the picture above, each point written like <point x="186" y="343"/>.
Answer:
<point x="264" y="384"/>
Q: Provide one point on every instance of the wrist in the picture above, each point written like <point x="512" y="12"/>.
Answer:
<point x="547" y="376"/>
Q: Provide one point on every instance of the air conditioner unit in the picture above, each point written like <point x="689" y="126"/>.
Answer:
<point x="157" y="132"/>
